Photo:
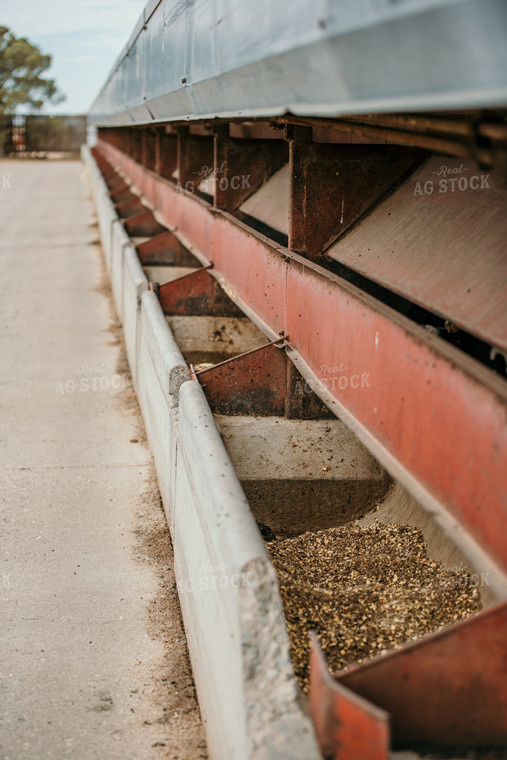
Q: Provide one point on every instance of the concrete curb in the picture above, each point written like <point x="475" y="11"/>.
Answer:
<point x="228" y="590"/>
<point x="119" y="242"/>
<point x="135" y="283"/>
<point x="106" y="212"/>
<point x="161" y="370"/>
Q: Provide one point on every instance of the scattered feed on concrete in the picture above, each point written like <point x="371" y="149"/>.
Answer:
<point x="168" y="699"/>
<point x="171" y="693"/>
<point x="365" y="591"/>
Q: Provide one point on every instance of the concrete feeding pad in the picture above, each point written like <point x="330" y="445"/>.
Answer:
<point x="302" y="475"/>
<point x="213" y="339"/>
<point x="84" y="671"/>
<point x="163" y="274"/>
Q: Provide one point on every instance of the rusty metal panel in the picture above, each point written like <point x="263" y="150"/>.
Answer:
<point x="440" y="242"/>
<point x="332" y="185"/>
<point x="448" y="688"/>
<point x="304" y="405"/>
<point x="122" y="193"/>
<point x="440" y="414"/>
<point x="196" y="294"/>
<point x="348" y="727"/>
<point x="426" y="410"/>
<point x="242" y="166"/>
<point x="191" y="293"/>
<point x="167" y="157"/>
<point x="129" y="207"/>
<point x="255" y="273"/>
<point x="143" y="224"/>
<point x="196" y="229"/>
<point x="114" y="182"/>
<point x="193" y="153"/>
<point x="214" y="236"/>
<point x="255" y="383"/>
<point x="188" y="294"/>
<point x="165" y="249"/>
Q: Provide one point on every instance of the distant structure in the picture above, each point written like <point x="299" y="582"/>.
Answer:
<point x="37" y="133"/>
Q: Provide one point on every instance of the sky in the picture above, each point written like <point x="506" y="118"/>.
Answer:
<point x="84" y="38"/>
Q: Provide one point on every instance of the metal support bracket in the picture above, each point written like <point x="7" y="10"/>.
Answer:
<point x="254" y="382"/>
<point x="331" y="186"/>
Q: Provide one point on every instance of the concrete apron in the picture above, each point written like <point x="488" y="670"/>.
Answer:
<point x="229" y="595"/>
